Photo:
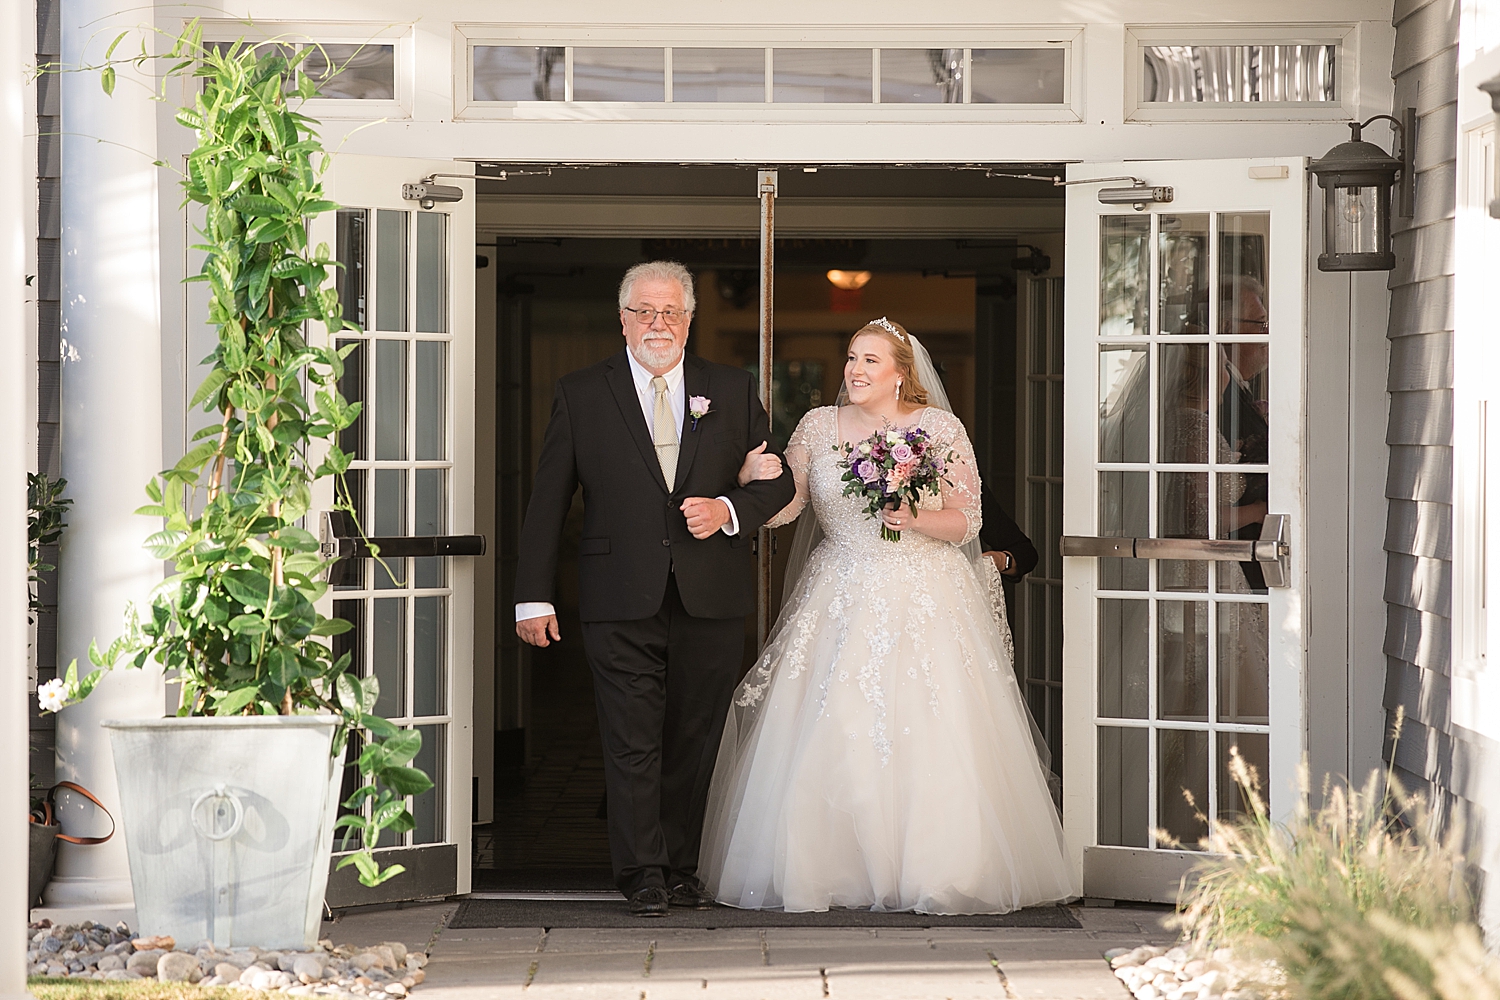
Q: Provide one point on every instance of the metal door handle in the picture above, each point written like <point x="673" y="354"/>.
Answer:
<point x="340" y="542"/>
<point x="1271" y="550"/>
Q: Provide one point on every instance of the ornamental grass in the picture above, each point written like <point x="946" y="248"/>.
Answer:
<point x="1367" y="897"/>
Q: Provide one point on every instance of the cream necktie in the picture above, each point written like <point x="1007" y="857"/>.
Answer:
<point x="664" y="432"/>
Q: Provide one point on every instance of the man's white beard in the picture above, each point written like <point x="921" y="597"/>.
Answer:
<point x="657" y="357"/>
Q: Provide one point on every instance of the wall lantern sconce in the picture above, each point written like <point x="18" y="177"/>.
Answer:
<point x="1492" y="87"/>
<point x="1357" y="178"/>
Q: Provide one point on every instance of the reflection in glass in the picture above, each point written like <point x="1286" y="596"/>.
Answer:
<point x="822" y="76"/>
<point x="352" y="253"/>
<point x="1182" y="245"/>
<point x="1124" y="634"/>
<point x="922" y="76"/>
<point x="1124" y="787"/>
<point x="352" y="387"/>
<point x="390" y="270"/>
<point x="619" y="74"/>
<point x="1124" y="274"/>
<point x="1182" y="512"/>
<point x="1238" y="73"/>
<point x="1244" y="689"/>
<point x="1242" y="272"/>
<point x="431" y="519"/>
<point x="718" y="76"/>
<point x="1255" y="749"/>
<point x="1182" y="765"/>
<point x="1017" y="76"/>
<point x="390" y="519"/>
<point x="1354" y="224"/>
<point x="1242" y="513"/>
<point x="1038" y="449"/>
<point x="1244" y="407"/>
<point x="388" y="654"/>
<point x="390" y="400"/>
<point x="518" y="72"/>
<point x="349" y="642"/>
<point x="432" y="385"/>
<point x="427" y="808"/>
<point x="428" y="630"/>
<point x="1182" y="421"/>
<point x="1124" y="404"/>
<point x="1124" y="512"/>
<point x="432" y="273"/>
<point x="1182" y="660"/>
<point x="352" y="72"/>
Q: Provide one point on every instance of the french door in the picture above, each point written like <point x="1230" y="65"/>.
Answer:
<point x="1183" y="510"/>
<point x="406" y="278"/>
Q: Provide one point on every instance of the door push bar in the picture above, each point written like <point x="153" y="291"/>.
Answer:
<point x="1271" y="550"/>
<point x="340" y="541"/>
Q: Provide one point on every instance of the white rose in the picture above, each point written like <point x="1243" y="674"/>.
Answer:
<point x="891" y="437"/>
<point x="864" y="448"/>
<point x="52" y="696"/>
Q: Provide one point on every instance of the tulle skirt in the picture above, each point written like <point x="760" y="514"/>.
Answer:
<point x="878" y="755"/>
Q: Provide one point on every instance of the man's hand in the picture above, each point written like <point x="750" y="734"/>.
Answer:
<point x="704" y="516"/>
<point x="536" y="630"/>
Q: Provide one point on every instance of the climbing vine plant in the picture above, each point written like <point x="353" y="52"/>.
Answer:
<point x="236" y="622"/>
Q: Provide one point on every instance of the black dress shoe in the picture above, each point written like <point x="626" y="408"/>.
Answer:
<point x="691" y="896"/>
<point x="649" y="902"/>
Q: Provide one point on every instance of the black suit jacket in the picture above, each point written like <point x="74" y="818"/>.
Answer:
<point x="1000" y="533"/>
<point x="634" y="535"/>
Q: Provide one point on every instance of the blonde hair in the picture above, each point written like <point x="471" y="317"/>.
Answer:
<point x="913" y="392"/>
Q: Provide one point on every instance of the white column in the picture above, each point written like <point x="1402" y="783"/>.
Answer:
<point x="111" y="418"/>
<point x="17" y="197"/>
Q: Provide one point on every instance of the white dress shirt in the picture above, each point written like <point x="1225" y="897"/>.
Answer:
<point x="677" y="399"/>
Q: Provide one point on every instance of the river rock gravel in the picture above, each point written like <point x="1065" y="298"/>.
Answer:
<point x="1153" y="973"/>
<point x="383" y="971"/>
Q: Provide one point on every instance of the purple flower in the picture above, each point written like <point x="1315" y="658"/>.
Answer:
<point x="867" y="471"/>
<point x="902" y="452"/>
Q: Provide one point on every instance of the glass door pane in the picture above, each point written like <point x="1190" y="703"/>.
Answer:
<point x="1182" y="437"/>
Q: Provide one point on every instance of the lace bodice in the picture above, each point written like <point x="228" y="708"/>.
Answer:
<point x="814" y="458"/>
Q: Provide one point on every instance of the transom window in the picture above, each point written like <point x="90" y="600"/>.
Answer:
<point x="1034" y="75"/>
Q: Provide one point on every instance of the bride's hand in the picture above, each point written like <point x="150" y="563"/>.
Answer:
<point x="899" y="519"/>
<point x="759" y="465"/>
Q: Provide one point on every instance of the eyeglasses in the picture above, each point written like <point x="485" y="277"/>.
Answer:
<point x="672" y="317"/>
<point x="1255" y="325"/>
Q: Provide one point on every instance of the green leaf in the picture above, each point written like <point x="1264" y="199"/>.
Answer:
<point x="248" y="587"/>
<point x="402" y="747"/>
<point x="405" y="780"/>
<point x="107" y="80"/>
<point x="378" y="726"/>
<point x="347" y="689"/>
<point x="210" y="386"/>
<point x="235" y="701"/>
<point x="248" y="625"/>
<point x="331" y="626"/>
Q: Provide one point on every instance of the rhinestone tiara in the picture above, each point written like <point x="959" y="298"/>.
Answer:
<point x="889" y="327"/>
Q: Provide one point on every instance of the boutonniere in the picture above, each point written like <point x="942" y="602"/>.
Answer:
<point x="698" y="408"/>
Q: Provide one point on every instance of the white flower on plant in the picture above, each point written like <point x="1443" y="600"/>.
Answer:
<point x="52" y="696"/>
<point x="891" y="437"/>
<point x="864" y="447"/>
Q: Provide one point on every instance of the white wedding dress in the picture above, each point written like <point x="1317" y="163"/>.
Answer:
<point x="878" y="755"/>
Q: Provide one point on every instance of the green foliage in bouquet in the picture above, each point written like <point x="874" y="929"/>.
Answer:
<point x="236" y="622"/>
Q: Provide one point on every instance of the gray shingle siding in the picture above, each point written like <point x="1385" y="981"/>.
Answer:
<point x="1430" y="756"/>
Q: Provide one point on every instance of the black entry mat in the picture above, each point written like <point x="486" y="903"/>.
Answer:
<point x="474" y="913"/>
<point x="543" y="880"/>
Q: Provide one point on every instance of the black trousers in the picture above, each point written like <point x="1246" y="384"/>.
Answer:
<point x="662" y="687"/>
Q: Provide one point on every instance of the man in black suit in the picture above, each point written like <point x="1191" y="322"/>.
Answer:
<point x="656" y="438"/>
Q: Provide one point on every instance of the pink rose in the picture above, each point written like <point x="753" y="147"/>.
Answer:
<point x="902" y="452"/>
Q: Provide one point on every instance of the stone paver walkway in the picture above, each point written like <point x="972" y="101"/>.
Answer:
<point x="659" y="963"/>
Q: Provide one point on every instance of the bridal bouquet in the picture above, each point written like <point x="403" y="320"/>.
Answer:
<point x="893" y="465"/>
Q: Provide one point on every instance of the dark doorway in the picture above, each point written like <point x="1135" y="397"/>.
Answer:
<point x="556" y="312"/>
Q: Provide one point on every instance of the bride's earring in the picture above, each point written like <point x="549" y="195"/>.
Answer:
<point x="898" y="388"/>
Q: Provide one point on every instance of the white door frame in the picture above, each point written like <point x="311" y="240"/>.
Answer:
<point x="374" y="182"/>
<point x="1200" y="186"/>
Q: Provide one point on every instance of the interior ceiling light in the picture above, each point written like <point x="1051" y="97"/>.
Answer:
<point x="849" y="280"/>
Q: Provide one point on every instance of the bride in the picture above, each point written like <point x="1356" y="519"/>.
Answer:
<point x="878" y="755"/>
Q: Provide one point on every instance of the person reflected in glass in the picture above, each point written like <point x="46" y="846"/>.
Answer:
<point x="1243" y="409"/>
